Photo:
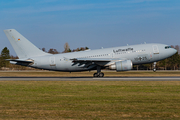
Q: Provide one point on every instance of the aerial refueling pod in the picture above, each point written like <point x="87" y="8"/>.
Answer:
<point x="122" y="65"/>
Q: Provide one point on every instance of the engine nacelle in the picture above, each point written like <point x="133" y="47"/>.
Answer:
<point x="122" y="65"/>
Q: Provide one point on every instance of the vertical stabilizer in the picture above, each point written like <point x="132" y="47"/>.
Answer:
<point x="22" y="47"/>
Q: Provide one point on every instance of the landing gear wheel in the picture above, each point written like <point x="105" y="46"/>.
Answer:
<point x="98" y="75"/>
<point x="95" y="75"/>
<point x="101" y="74"/>
<point x="154" y="65"/>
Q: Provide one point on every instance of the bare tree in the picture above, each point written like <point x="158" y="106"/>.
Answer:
<point x="66" y="48"/>
<point x="53" y="51"/>
<point x="177" y="48"/>
<point x="43" y="49"/>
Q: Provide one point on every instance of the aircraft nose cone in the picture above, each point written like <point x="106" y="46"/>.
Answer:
<point x="174" y="51"/>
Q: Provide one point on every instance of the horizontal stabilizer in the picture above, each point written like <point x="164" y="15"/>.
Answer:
<point x="20" y="61"/>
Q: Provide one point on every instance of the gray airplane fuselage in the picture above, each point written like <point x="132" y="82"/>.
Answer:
<point x="138" y="54"/>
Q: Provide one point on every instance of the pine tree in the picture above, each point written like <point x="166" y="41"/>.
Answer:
<point x="4" y="55"/>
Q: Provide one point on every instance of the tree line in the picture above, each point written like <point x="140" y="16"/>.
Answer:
<point x="66" y="49"/>
<point x="171" y="63"/>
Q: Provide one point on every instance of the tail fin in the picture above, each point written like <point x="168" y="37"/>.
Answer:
<point x="22" y="47"/>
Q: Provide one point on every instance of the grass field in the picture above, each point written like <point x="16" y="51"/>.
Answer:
<point x="90" y="100"/>
<point x="86" y="74"/>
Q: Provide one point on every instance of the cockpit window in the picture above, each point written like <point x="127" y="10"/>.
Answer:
<point x="167" y="47"/>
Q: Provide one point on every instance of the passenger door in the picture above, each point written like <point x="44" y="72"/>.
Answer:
<point x="52" y="62"/>
<point x="155" y="49"/>
<point x="155" y="55"/>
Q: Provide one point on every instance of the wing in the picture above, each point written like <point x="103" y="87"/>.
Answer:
<point x="86" y="62"/>
<point x="92" y="59"/>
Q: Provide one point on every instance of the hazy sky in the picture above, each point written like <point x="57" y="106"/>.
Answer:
<point x="91" y="23"/>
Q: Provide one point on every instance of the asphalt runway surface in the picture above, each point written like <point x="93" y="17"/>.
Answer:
<point x="89" y="79"/>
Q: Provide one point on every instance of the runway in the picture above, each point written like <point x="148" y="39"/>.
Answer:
<point x="89" y="79"/>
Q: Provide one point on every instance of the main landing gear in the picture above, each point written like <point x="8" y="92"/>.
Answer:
<point x="99" y="73"/>
<point x="154" y="67"/>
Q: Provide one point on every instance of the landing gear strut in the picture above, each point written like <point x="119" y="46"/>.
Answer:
<point x="99" y="73"/>
<point x="154" y="66"/>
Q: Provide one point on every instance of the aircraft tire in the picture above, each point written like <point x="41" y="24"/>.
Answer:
<point x="98" y="75"/>
<point x="101" y="74"/>
<point x="95" y="75"/>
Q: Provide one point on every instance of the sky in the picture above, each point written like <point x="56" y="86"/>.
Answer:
<point x="91" y="23"/>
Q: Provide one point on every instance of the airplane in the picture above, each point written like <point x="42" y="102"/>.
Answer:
<point x="116" y="58"/>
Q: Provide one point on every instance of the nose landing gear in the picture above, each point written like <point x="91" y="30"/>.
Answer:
<point x="154" y="65"/>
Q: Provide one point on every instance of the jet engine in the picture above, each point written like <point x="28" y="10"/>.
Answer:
<point x="122" y="65"/>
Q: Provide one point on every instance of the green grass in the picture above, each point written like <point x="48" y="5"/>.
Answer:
<point x="90" y="100"/>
